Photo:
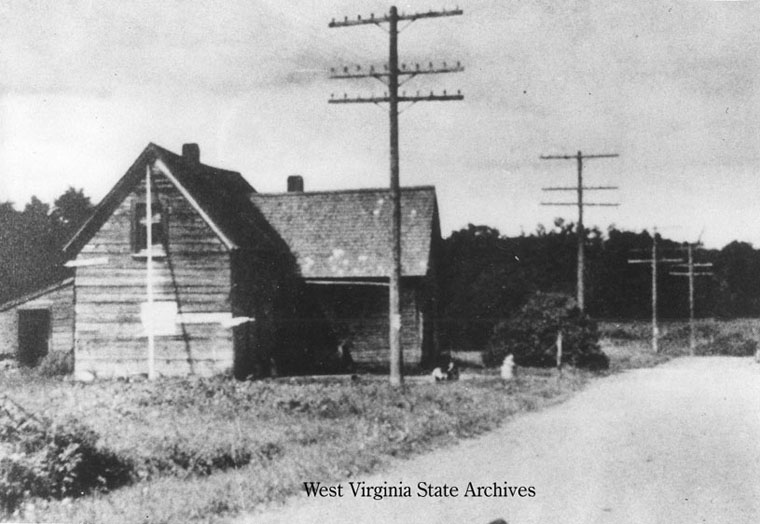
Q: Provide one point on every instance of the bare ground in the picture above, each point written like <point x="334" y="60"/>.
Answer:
<point x="675" y="444"/>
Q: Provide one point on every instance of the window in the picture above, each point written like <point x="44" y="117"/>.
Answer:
<point x="140" y="230"/>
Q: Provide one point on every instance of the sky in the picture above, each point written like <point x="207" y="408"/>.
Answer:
<point x="670" y="86"/>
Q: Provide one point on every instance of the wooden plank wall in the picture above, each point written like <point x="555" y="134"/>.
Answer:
<point x="258" y="291"/>
<point x="60" y="302"/>
<point x="110" y="339"/>
<point x="362" y="312"/>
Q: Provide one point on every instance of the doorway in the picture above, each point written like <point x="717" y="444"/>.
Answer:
<point x="33" y="335"/>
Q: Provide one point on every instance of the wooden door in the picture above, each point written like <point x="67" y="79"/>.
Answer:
<point x="33" y="335"/>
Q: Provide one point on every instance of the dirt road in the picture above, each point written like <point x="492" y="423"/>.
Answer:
<point x="676" y="444"/>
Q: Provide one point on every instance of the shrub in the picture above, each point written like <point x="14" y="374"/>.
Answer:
<point x="618" y="332"/>
<point x="682" y="333"/>
<point x="8" y="361"/>
<point x="181" y="458"/>
<point x="732" y="344"/>
<point x="531" y="335"/>
<point x="52" y="460"/>
<point x="56" y="363"/>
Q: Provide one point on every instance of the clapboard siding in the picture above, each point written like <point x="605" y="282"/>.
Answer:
<point x="121" y="367"/>
<point x="59" y="300"/>
<point x="246" y="256"/>
<point x="372" y="346"/>
<point x="165" y="348"/>
<point x="360" y="314"/>
<point x="195" y="273"/>
<point x="123" y="331"/>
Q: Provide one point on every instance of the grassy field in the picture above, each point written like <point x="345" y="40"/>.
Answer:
<point x="207" y="449"/>
<point x="674" y="334"/>
<point x="282" y="433"/>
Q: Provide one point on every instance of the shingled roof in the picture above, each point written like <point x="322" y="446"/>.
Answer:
<point x="220" y="195"/>
<point x="346" y="234"/>
<point x="333" y="234"/>
<point x="223" y="195"/>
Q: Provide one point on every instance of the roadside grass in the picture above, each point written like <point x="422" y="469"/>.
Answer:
<point x="632" y="339"/>
<point x="678" y="329"/>
<point x="205" y="450"/>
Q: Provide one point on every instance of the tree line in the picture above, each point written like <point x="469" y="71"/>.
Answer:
<point x="31" y="241"/>
<point x="487" y="276"/>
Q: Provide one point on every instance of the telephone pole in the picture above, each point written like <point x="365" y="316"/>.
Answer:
<point x="691" y="273"/>
<point x="653" y="261"/>
<point x="149" y="276"/>
<point x="579" y="189"/>
<point x="390" y="76"/>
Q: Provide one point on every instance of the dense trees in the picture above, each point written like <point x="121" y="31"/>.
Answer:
<point x="483" y="280"/>
<point x="31" y="241"/>
<point x="487" y="277"/>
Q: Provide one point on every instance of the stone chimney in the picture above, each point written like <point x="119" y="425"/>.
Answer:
<point x="295" y="184"/>
<point x="191" y="153"/>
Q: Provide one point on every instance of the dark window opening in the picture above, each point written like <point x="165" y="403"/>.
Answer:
<point x="33" y="335"/>
<point x="140" y="230"/>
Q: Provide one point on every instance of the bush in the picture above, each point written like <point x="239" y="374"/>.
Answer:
<point x="181" y="458"/>
<point x="51" y="460"/>
<point x="56" y="363"/>
<point x="532" y="333"/>
<point x="619" y="332"/>
<point x="682" y="333"/>
<point x="732" y="345"/>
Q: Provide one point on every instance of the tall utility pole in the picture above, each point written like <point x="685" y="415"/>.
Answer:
<point x="691" y="273"/>
<point x="581" y="232"/>
<point x="653" y="261"/>
<point x="149" y="276"/>
<point x="390" y="76"/>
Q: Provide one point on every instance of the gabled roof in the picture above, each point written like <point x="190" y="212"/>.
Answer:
<point x="220" y="196"/>
<point x="339" y="234"/>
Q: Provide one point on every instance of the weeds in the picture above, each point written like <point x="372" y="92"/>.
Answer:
<point x="56" y="363"/>
<point x="732" y="345"/>
<point x="42" y="458"/>
<point x="229" y="446"/>
<point x="203" y="449"/>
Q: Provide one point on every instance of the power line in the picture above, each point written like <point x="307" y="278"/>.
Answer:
<point x="653" y="261"/>
<point x="579" y="189"/>
<point x="390" y="77"/>
<point x="692" y="272"/>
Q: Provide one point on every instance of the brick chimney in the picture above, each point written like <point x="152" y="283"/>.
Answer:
<point x="191" y="153"/>
<point x="295" y="184"/>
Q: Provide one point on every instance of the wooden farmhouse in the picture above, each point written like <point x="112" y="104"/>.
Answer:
<point x="257" y="283"/>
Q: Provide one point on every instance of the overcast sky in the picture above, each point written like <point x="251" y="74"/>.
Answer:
<point x="670" y="86"/>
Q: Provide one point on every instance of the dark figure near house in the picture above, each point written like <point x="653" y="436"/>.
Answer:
<point x="452" y="371"/>
<point x="447" y="370"/>
<point x="344" y="354"/>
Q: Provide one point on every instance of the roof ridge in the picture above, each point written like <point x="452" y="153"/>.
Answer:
<point x="209" y="188"/>
<point x="342" y="191"/>
<point x="178" y="157"/>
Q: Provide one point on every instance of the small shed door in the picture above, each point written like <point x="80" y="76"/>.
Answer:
<point x="33" y="335"/>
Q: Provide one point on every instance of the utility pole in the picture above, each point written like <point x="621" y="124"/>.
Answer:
<point x="653" y="261"/>
<point x="390" y="76"/>
<point x="581" y="232"/>
<point x="691" y="273"/>
<point x="149" y="276"/>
